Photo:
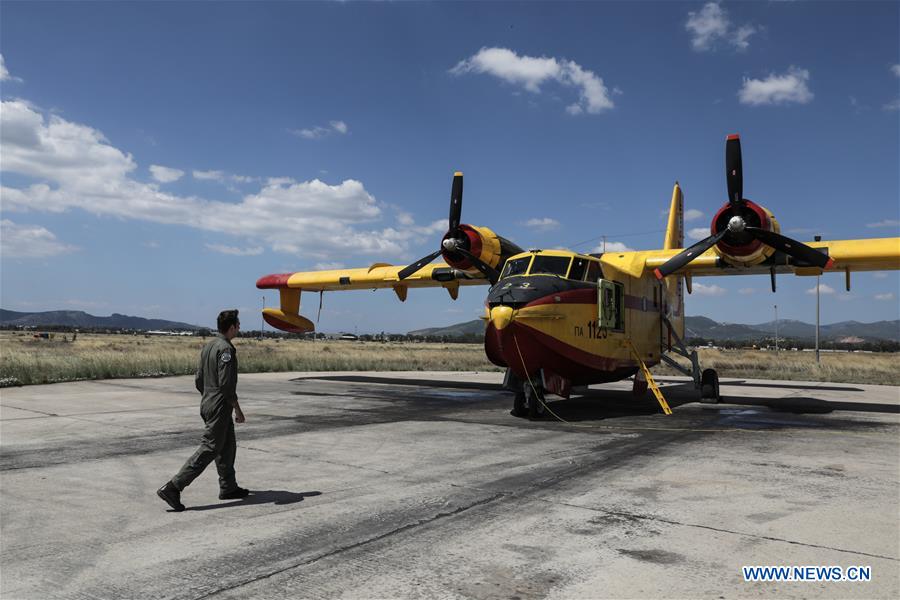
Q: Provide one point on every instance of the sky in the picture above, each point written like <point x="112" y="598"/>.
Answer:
<point x="158" y="158"/>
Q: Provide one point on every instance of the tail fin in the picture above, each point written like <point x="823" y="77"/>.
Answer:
<point x="675" y="239"/>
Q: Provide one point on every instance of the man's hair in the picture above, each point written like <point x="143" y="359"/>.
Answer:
<point x="226" y="319"/>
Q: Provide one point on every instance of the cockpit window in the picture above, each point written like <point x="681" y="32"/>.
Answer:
<point x="515" y="267"/>
<point x="554" y="265"/>
<point x="594" y="273"/>
<point x="577" y="270"/>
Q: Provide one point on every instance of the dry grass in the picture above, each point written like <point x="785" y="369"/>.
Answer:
<point x="845" y="367"/>
<point x="24" y="360"/>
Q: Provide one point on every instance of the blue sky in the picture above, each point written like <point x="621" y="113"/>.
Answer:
<point x="158" y="158"/>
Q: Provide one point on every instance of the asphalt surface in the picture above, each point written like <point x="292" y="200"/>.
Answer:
<point x="421" y="485"/>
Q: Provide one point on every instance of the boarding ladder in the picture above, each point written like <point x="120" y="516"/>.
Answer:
<point x="651" y="383"/>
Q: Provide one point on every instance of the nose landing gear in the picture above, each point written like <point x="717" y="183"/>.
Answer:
<point x="529" y="396"/>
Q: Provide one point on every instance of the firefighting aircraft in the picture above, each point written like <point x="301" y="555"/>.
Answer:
<point x="557" y="319"/>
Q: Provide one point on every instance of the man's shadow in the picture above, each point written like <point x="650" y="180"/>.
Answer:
<point x="261" y="497"/>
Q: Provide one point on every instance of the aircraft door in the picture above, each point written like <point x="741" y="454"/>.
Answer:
<point x="610" y="300"/>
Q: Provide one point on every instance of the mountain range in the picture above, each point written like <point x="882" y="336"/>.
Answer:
<point x="81" y="319"/>
<point x="703" y="327"/>
<point x="695" y="327"/>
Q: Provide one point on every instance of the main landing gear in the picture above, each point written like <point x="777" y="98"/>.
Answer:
<point x="709" y="386"/>
<point x="705" y="382"/>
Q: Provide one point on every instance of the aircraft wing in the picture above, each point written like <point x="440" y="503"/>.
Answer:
<point x="877" y="254"/>
<point x="379" y="275"/>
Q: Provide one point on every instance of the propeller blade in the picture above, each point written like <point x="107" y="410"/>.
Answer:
<point x="792" y="248"/>
<point x="456" y="201"/>
<point x="687" y="255"/>
<point x="489" y="271"/>
<point x="413" y="268"/>
<point x="734" y="171"/>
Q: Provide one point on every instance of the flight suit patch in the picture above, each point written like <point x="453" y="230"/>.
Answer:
<point x="226" y="357"/>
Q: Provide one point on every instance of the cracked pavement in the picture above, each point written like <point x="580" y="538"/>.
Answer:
<point x="383" y="485"/>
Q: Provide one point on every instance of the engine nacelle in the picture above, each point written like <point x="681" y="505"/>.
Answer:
<point x="480" y="241"/>
<point x="739" y="248"/>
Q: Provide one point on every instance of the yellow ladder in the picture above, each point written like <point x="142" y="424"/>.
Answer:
<point x="650" y="381"/>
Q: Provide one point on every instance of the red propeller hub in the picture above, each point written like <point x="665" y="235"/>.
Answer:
<point x="469" y="239"/>
<point x="753" y="215"/>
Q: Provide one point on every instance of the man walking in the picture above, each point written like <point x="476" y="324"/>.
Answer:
<point x="217" y="380"/>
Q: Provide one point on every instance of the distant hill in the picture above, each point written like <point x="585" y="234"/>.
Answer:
<point x="468" y="328"/>
<point x="81" y="319"/>
<point x="703" y="327"/>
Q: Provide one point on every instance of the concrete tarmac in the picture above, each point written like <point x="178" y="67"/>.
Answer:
<point x="422" y="485"/>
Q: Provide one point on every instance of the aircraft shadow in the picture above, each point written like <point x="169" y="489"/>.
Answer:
<point x="464" y="385"/>
<point x="261" y="497"/>
<point x="624" y="403"/>
<point x="606" y="403"/>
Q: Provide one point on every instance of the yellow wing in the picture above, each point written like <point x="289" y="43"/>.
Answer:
<point x="876" y="254"/>
<point x="379" y="275"/>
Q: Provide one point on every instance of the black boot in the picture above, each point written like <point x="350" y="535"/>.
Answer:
<point x="235" y="494"/>
<point x="171" y="495"/>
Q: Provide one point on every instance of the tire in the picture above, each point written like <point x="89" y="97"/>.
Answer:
<point x="519" y="408"/>
<point x="709" y="386"/>
<point x="534" y="398"/>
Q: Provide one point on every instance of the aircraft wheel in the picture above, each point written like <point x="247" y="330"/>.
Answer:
<point x="520" y="405"/>
<point x="534" y="398"/>
<point x="709" y="386"/>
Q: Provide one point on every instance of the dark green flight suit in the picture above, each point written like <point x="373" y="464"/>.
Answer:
<point x="217" y="380"/>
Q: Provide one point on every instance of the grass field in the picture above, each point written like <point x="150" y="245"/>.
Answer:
<point x="25" y="360"/>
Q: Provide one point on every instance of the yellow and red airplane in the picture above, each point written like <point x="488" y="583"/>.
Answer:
<point x="557" y="319"/>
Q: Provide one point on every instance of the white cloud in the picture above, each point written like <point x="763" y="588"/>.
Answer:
<point x="530" y="73"/>
<point x="747" y="291"/>
<point x="895" y="69"/>
<point x="612" y="247"/>
<point x="885" y="223"/>
<point x="777" y="89"/>
<point x="165" y="174"/>
<point x="892" y="105"/>
<point x="712" y="24"/>
<point x="77" y="168"/>
<point x="318" y="132"/>
<point x="151" y="244"/>
<point x="698" y="233"/>
<point x="887" y="296"/>
<point x="692" y="214"/>
<point x="544" y="224"/>
<point x="234" y="251"/>
<point x="209" y="175"/>
<point x="29" y="241"/>
<point x="880" y="275"/>
<point x="823" y="289"/>
<point x="328" y="266"/>
<point x="4" y="74"/>
<point x="708" y="290"/>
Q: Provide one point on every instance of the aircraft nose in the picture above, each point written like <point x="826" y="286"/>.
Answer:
<point x="501" y="316"/>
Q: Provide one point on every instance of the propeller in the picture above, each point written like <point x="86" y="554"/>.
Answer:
<point x="455" y="242"/>
<point x="738" y="232"/>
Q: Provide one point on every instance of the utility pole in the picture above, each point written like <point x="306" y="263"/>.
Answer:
<point x="776" y="328"/>
<point x="818" y="238"/>
<point x="604" y="243"/>
<point x="262" y="320"/>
